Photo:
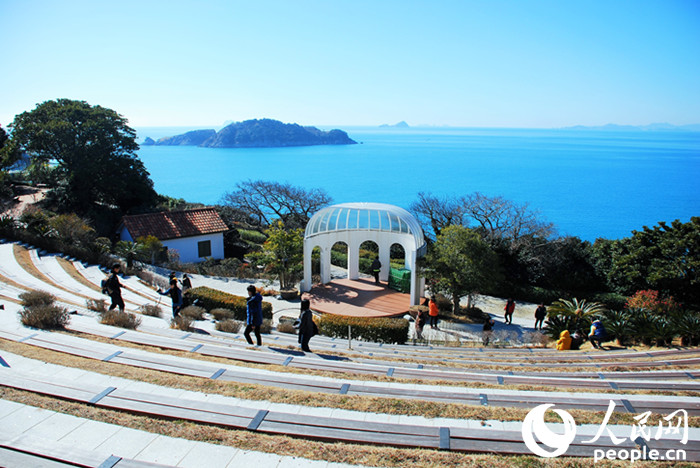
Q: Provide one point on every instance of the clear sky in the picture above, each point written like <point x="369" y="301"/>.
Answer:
<point x="487" y="63"/>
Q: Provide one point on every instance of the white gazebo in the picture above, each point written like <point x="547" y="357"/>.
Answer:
<point x="355" y="223"/>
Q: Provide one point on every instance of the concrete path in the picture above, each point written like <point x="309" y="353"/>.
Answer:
<point x="68" y="431"/>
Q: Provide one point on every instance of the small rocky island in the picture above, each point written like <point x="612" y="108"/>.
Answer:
<point x="259" y="133"/>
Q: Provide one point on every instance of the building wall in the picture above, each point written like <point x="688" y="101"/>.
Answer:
<point x="187" y="246"/>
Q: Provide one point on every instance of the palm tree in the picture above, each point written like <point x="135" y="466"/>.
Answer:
<point x="574" y="307"/>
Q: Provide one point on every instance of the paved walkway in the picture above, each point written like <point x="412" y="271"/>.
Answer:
<point x="69" y="431"/>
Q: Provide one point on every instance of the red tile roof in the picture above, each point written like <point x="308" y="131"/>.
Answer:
<point x="175" y="224"/>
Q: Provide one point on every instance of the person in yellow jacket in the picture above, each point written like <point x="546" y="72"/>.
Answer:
<point x="564" y="342"/>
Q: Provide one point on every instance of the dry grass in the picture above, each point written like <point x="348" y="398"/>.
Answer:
<point x="337" y="452"/>
<point x="370" y="377"/>
<point x="69" y="268"/>
<point x="258" y="392"/>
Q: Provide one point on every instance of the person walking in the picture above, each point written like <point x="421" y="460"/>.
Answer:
<point x="186" y="283"/>
<point x="487" y="331"/>
<point x="509" y="308"/>
<point x="175" y="295"/>
<point x="540" y="314"/>
<point x="254" y="315"/>
<point x="307" y="327"/>
<point x="420" y="323"/>
<point x="433" y="312"/>
<point x="376" y="268"/>
<point x="114" y="288"/>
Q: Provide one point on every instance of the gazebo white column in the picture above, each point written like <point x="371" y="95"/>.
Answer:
<point x="353" y="260"/>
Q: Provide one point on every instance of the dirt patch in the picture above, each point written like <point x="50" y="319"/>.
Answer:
<point x="25" y="196"/>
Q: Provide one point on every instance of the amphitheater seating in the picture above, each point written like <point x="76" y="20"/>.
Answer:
<point x="615" y="373"/>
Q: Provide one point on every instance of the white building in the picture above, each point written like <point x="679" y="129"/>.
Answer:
<point x="195" y="234"/>
<point x="355" y="223"/>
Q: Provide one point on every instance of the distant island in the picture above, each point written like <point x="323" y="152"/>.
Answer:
<point x="401" y="124"/>
<point x="258" y="133"/>
<point x="655" y="127"/>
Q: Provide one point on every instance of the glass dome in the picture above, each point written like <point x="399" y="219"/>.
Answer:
<point x="365" y="217"/>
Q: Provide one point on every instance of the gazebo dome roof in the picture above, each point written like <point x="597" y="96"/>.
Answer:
<point x="365" y="216"/>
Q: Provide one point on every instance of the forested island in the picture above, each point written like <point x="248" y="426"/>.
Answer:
<point x="258" y="133"/>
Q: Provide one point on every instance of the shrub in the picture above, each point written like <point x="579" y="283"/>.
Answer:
<point x="382" y="330"/>
<point x="254" y="237"/>
<point x="229" y="326"/>
<point x="612" y="301"/>
<point x="36" y="298"/>
<point x="121" y="319"/>
<point x="193" y="312"/>
<point x="504" y="337"/>
<point x="151" y="310"/>
<point x="687" y="326"/>
<point x="181" y="322"/>
<point x="575" y="307"/>
<point x="97" y="305"/>
<point x="556" y="324"/>
<point x="536" y="338"/>
<point x="619" y="326"/>
<point x="266" y="326"/>
<point x="221" y="314"/>
<point x="444" y="304"/>
<point x="286" y="327"/>
<point x="44" y="316"/>
<point x="268" y="292"/>
<point x="650" y="300"/>
<point x="214" y="299"/>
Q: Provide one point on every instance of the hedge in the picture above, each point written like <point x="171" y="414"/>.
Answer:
<point x="214" y="299"/>
<point x="380" y="330"/>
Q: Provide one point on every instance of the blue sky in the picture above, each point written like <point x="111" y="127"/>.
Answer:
<point x="460" y="63"/>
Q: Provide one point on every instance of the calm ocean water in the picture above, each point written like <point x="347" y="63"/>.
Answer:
<point x="589" y="183"/>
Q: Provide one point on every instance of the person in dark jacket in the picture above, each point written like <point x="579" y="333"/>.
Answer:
<point x="186" y="283"/>
<point x="114" y="288"/>
<point x="175" y="295"/>
<point x="597" y="334"/>
<point x="376" y="268"/>
<point x="307" y="327"/>
<point x="254" y="316"/>
<point x="487" y="331"/>
<point x="540" y="315"/>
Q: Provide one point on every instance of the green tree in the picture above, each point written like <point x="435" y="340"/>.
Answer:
<point x="283" y="254"/>
<point x="665" y="258"/>
<point x="150" y="248"/>
<point x="94" y="150"/>
<point x="460" y="263"/>
<point x="72" y="230"/>
<point x="128" y="250"/>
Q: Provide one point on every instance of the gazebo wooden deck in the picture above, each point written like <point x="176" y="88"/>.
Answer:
<point x="358" y="298"/>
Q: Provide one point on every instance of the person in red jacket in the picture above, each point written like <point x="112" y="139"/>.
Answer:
<point x="433" y="312"/>
<point x="509" y="308"/>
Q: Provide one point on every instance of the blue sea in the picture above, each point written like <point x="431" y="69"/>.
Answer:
<point x="589" y="183"/>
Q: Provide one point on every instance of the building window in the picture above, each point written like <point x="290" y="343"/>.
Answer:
<point x="204" y="248"/>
